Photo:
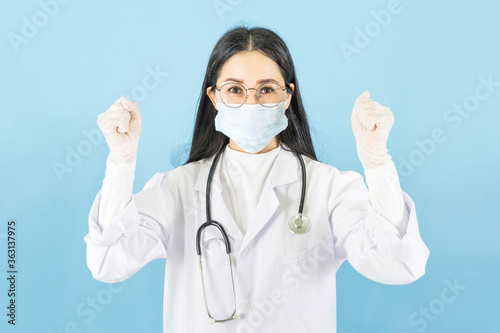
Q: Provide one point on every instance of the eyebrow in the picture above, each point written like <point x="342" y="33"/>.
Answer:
<point x="258" y="82"/>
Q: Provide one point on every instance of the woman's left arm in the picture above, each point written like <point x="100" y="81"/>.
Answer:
<point x="376" y="230"/>
<point x="371" y="124"/>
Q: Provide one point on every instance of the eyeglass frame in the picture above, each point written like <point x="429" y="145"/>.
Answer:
<point x="246" y="93"/>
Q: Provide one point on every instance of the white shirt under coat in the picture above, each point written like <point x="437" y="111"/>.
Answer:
<point x="243" y="178"/>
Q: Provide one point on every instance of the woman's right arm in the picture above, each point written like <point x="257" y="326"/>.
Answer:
<point x="125" y="231"/>
<point x="125" y="236"/>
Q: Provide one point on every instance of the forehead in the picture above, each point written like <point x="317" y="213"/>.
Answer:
<point x="250" y="67"/>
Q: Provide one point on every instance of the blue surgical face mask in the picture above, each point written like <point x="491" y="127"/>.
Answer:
<point x="251" y="126"/>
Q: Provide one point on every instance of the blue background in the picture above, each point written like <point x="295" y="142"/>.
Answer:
<point x="428" y="58"/>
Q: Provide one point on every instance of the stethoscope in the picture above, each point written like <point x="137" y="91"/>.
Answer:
<point x="298" y="224"/>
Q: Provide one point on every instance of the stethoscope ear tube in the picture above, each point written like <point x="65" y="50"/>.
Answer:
<point x="209" y="214"/>
<point x="209" y="183"/>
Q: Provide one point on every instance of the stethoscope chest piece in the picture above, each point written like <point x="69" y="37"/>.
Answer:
<point x="299" y="224"/>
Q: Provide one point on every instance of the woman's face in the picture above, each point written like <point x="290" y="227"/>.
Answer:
<point x="248" y="68"/>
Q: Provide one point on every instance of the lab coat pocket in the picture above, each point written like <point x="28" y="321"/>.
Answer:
<point x="308" y="281"/>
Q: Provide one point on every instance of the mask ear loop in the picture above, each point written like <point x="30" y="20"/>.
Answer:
<point x="214" y="87"/>
<point x="287" y="88"/>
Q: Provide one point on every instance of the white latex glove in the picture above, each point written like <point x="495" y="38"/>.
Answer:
<point x="121" y="126"/>
<point x="371" y="124"/>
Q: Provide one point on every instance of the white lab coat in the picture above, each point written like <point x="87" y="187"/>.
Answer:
<point x="284" y="282"/>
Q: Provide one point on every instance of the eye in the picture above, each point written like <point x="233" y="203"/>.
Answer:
<point x="235" y="90"/>
<point x="266" y="90"/>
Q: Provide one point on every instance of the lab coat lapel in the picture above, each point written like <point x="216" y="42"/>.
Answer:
<point x="284" y="171"/>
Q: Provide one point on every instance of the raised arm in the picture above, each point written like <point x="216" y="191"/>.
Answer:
<point x="125" y="231"/>
<point x="376" y="229"/>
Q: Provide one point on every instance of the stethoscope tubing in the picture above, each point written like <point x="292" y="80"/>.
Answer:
<point x="210" y="222"/>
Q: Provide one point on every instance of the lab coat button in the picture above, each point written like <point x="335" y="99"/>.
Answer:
<point x="244" y="251"/>
<point x="245" y="306"/>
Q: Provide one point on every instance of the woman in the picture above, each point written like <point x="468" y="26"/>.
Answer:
<point x="252" y="129"/>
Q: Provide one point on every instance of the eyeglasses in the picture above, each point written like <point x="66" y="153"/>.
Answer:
<point x="268" y="95"/>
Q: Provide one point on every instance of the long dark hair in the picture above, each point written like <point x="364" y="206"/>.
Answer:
<point x="206" y="141"/>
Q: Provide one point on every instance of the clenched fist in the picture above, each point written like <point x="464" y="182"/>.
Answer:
<point x="371" y="124"/>
<point x="121" y="126"/>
